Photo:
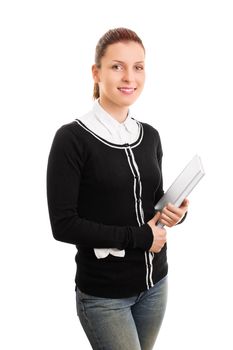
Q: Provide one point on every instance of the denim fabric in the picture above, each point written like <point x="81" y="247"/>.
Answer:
<point x="123" y="324"/>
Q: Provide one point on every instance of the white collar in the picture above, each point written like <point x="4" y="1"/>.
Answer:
<point x="111" y="123"/>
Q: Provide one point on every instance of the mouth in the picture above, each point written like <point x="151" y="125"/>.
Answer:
<point x="127" y="90"/>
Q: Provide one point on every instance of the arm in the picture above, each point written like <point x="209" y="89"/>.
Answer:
<point x="171" y="215"/>
<point x="64" y="172"/>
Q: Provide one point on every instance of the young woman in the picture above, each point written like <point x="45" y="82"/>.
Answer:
<point x="104" y="178"/>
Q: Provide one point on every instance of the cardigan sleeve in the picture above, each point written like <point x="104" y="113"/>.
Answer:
<point x="65" y="164"/>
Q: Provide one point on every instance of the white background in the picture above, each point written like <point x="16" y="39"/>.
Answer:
<point x="47" y="48"/>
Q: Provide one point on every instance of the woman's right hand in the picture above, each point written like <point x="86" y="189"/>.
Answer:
<point x="158" y="233"/>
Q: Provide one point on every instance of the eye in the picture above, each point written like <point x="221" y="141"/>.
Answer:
<point x="139" y="67"/>
<point x="117" y="67"/>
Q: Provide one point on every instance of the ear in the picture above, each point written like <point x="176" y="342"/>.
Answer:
<point x="95" y="73"/>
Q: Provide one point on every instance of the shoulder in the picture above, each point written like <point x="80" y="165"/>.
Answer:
<point x="68" y="130"/>
<point x="150" y="130"/>
<point x="69" y="139"/>
<point x="77" y="128"/>
<point x="71" y="132"/>
<point x="149" y="127"/>
<point x="152" y="137"/>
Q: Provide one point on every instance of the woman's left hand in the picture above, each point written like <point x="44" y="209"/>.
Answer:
<point x="171" y="215"/>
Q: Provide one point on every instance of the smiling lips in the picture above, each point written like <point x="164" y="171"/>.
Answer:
<point x="127" y="90"/>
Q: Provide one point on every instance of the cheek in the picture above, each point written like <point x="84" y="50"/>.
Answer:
<point x="140" y="84"/>
<point x="108" y="85"/>
<point x="142" y="79"/>
<point x="109" y="80"/>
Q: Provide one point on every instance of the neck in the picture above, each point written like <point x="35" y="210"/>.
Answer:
<point x="117" y="112"/>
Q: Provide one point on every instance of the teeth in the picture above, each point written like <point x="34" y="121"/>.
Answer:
<point x="126" y="89"/>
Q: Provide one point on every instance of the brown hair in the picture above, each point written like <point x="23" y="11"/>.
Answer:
<point x="111" y="37"/>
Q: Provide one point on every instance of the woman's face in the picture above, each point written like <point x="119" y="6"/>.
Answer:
<point x="121" y="76"/>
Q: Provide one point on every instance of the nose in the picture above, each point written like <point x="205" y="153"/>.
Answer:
<point x="128" y="75"/>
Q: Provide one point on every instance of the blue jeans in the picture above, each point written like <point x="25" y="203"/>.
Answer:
<point x="123" y="324"/>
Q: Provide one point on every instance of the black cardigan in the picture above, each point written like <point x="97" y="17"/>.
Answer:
<point x="101" y="195"/>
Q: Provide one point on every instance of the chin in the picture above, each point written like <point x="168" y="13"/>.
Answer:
<point x="127" y="100"/>
<point x="126" y="103"/>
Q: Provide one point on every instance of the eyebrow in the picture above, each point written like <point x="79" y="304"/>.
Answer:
<point x="124" y="62"/>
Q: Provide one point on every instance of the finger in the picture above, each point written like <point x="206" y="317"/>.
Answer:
<point x="172" y="208"/>
<point x="171" y="216"/>
<point x="156" y="217"/>
<point x="169" y="221"/>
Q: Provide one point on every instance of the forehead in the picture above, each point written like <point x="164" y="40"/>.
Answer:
<point x="128" y="51"/>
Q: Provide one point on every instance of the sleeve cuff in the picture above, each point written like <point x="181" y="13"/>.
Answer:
<point x="142" y="237"/>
